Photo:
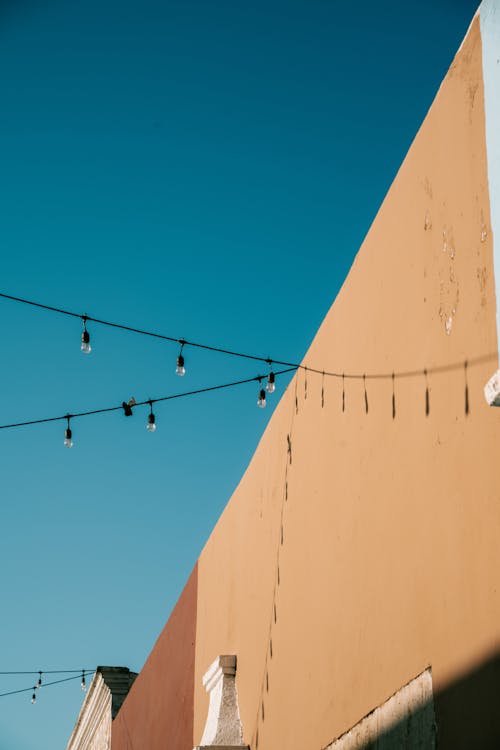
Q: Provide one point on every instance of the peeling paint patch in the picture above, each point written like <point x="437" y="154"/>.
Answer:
<point x="449" y="290"/>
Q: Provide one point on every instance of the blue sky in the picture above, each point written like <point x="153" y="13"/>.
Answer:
<point x="205" y="170"/>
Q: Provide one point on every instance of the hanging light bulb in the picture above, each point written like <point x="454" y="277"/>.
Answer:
<point x="85" y="347"/>
<point x="33" y="697"/>
<point x="39" y="684"/>
<point x="261" y="401"/>
<point x="180" y="369"/>
<point x="271" y="386"/>
<point x="151" y="425"/>
<point x="68" y="435"/>
<point x="83" y="684"/>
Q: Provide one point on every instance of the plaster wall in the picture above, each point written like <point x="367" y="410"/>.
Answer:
<point x="361" y="546"/>
<point x="390" y="557"/>
<point x="158" y="711"/>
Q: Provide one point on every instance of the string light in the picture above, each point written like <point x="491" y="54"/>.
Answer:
<point x="291" y="366"/>
<point x="261" y="401"/>
<point x="151" y="424"/>
<point x="76" y="672"/>
<point x="68" y="435"/>
<point x="85" y="347"/>
<point x="127" y="407"/>
<point x="271" y="386"/>
<point x="180" y="369"/>
<point x="229" y="352"/>
<point x="80" y="674"/>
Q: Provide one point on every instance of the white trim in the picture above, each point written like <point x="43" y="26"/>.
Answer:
<point x="411" y="708"/>
<point x="489" y="18"/>
<point x="93" y="727"/>
<point x="223" y="727"/>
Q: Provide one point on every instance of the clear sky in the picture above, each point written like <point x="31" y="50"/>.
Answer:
<point x="207" y="170"/>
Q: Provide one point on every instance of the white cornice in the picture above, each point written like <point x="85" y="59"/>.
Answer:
<point x="94" y="719"/>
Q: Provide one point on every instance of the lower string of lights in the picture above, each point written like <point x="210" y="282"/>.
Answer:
<point x="128" y="406"/>
<point x="81" y="675"/>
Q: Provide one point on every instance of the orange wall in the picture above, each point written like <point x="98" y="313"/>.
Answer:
<point x="158" y="711"/>
<point x="387" y="544"/>
<point x="390" y="557"/>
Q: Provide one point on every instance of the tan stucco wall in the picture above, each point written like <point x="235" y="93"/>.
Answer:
<point x="390" y="556"/>
<point x="382" y="559"/>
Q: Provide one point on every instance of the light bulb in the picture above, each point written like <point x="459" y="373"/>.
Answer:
<point x="261" y="401"/>
<point x="271" y="386"/>
<point x="150" y="425"/>
<point x="33" y="697"/>
<point x="83" y="684"/>
<point x="180" y="369"/>
<point x="85" y="347"/>
<point x="39" y="685"/>
<point x="68" y="442"/>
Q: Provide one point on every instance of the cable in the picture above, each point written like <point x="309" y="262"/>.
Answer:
<point x="48" y="684"/>
<point x="142" y="403"/>
<point x="141" y="331"/>
<point x="50" y="671"/>
<point x="268" y="360"/>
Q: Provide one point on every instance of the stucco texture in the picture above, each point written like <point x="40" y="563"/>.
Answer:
<point x="390" y="556"/>
<point x="361" y="546"/>
<point x="158" y="711"/>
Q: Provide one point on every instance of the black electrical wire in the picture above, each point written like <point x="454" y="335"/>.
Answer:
<point x="142" y="332"/>
<point x="50" y="671"/>
<point x="149" y="401"/>
<point x="48" y="684"/>
<point x="268" y="360"/>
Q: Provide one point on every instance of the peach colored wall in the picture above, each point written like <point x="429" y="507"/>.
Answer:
<point x="382" y="557"/>
<point x="390" y="555"/>
<point x="158" y="712"/>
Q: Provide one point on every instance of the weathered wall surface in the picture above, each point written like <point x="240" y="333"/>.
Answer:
<point x="158" y="711"/>
<point x="404" y="722"/>
<point x="390" y="557"/>
<point x="361" y="546"/>
<point x="93" y="727"/>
